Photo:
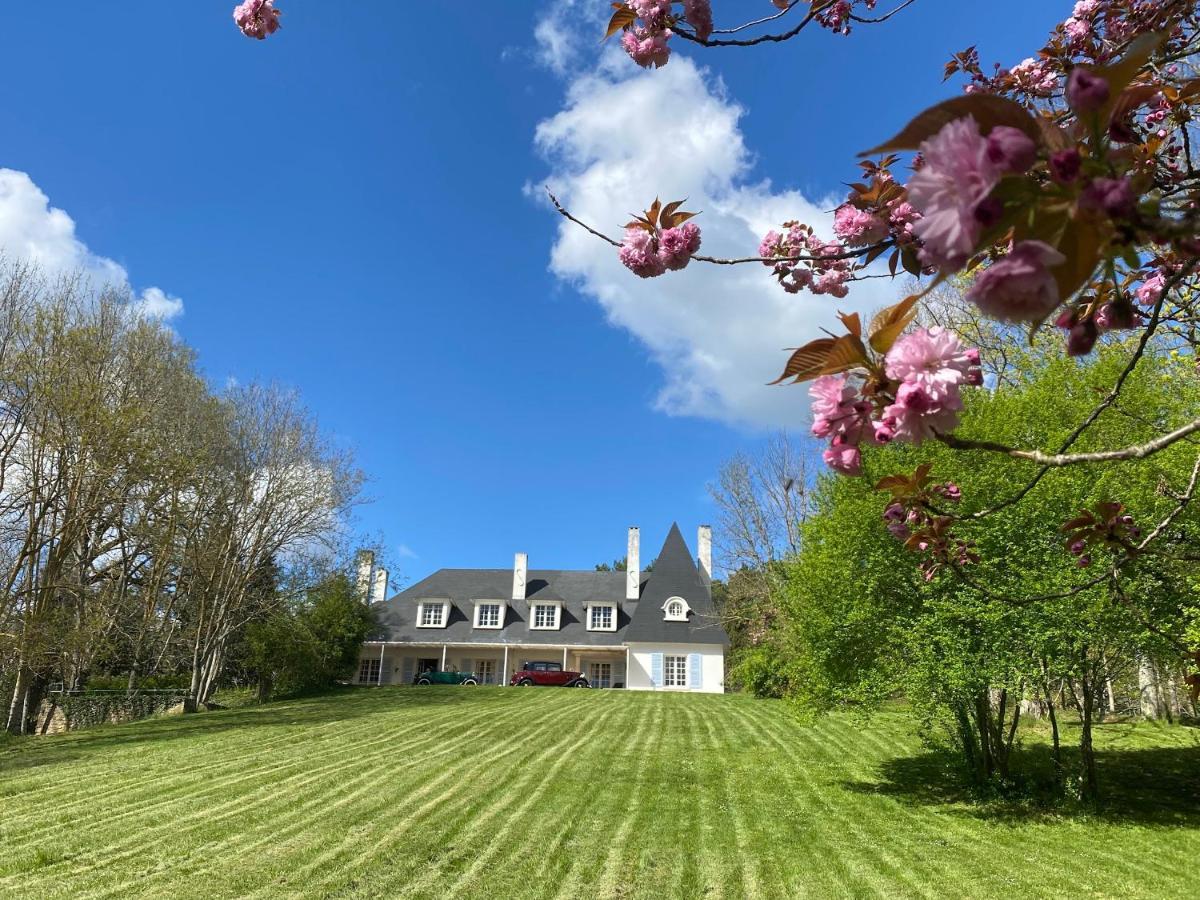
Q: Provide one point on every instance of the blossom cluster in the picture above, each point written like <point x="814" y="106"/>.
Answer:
<point x="802" y="260"/>
<point x="925" y="371"/>
<point x="914" y="522"/>
<point x="837" y="16"/>
<point x="1107" y="525"/>
<point x="649" y="253"/>
<point x="257" y="18"/>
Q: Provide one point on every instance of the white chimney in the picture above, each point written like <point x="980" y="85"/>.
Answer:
<point x="633" y="565"/>
<point x="704" y="549"/>
<point x="520" y="570"/>
<point x="381" y="580"/>
<point x="365" y="560"/>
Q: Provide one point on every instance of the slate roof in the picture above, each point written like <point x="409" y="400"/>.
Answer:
<point x="675" y="574"/>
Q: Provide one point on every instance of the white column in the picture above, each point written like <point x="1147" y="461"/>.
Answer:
<point x="564" y="659"/>
<point x="382" y="645"/>
<point x="443" y="657"/>
<point x="504" y="674"/>
<point x="626" y="668"/>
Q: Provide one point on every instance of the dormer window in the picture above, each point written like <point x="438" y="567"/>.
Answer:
<point x="601" y="617"/>
<point x="676" y="609"/>
<point x="489" y="614"/>
<point x="545" y="616"/>
<point x="433" y="613"/>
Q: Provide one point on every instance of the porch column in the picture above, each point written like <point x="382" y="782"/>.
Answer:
<point x="564" y="659"/>
<point x="379" y="680"/>
<point x="504" y="673"/>
<point x="627" y="668"/>
<point x="443" y="657"/>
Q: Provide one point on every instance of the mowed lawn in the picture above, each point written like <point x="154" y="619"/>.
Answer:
<point x="488" y="792"/>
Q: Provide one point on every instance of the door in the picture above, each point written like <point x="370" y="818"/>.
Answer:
<point x="600" y="674"/>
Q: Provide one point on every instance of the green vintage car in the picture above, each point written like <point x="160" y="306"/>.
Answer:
<point x="450" y="677"/>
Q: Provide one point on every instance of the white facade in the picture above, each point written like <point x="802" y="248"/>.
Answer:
<point x="649" y="670"/>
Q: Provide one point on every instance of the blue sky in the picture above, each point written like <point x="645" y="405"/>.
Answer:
<point x="352" y="208"/>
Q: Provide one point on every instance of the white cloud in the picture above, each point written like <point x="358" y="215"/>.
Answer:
<point x="406" y="552"/>
<point x="156" y="304"/>
<point x="626" y="136"/>
<point x="32" y="230"/>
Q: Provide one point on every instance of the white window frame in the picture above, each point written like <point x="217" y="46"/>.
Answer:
<point x="681" y="616"/>
<point x="675" y="671"/>
<point x="592" y="607"/>
<point x="556" y="605"/>
<point x="370" y="668"/>
<point x="486" y="670"/>
<point x="430" y="604"/>
<point x="595" y="676"/>
<point x="503" y="609"/>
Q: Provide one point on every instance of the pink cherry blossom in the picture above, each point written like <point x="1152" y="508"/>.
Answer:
<point x="1011" y="149"/>
<point x="646" y="48"/>
<point x="858" y="226"/>
<point x="933" y="357"/>
<point x="1019" y="287"/>
<point x="699" y="15"/>
<point x="676" y="245"/>
<point x="1034" y="77"/>
<point x="1151" y="289"/>
<point x="838" y="410"/>
<point x="639" y="254"/>
<point x="257" y="18"/>
<point x="844" y="458"/>
<point x="1086" y="91"/>
<point x="955" y="177"/>
<point x="917" y="414"/>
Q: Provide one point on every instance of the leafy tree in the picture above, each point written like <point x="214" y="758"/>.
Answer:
<point x="966" y="644"/>
<point x="310" y="645"/>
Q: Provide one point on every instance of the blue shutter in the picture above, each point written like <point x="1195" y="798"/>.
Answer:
<point x="409" y="665"/>
<point x="694" y="670"/>
<point x="656" y="669"/>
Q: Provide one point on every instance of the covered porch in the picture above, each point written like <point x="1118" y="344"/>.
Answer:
<point x="392" y="662"/>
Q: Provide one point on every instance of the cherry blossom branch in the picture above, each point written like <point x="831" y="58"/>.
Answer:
<point x="722" y="261"/>
<point x="771" y="18"/>
<point x="884" y="17"/>
<point x="1113" y="394"/>
<point x="813" y="12"/>
<point x="1059" y="460"/>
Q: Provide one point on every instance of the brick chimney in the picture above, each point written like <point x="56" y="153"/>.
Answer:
<point x="520" y="573"/>
<point x="704" y="553"/>
<point x="633" y="565"/>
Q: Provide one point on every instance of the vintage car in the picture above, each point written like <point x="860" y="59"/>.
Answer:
<point x="547" y="674"/>
<point x="448" y="677"/>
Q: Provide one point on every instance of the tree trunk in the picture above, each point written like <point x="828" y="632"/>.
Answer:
<point x="16" y="709"/>
<point x="1090" y="779"/>
<point x="1150" y="697"/>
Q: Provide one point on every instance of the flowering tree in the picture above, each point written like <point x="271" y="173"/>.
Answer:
<point x="1061" y="192"/>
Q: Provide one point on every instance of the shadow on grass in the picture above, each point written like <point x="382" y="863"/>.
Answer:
<point x="1157" y="786"/>
<point x="338" y="705"/>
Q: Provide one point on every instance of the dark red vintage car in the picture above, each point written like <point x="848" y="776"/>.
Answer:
<point x="547" y="674"/>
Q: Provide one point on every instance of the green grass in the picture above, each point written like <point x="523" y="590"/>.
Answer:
<point x="488" y="792"/>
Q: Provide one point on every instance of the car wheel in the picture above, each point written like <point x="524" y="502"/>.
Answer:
<point x="582" y="682"/>
<point x="470" y="681"/>
<point x="525" y="682"/>
<point x="423" y="681"/>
